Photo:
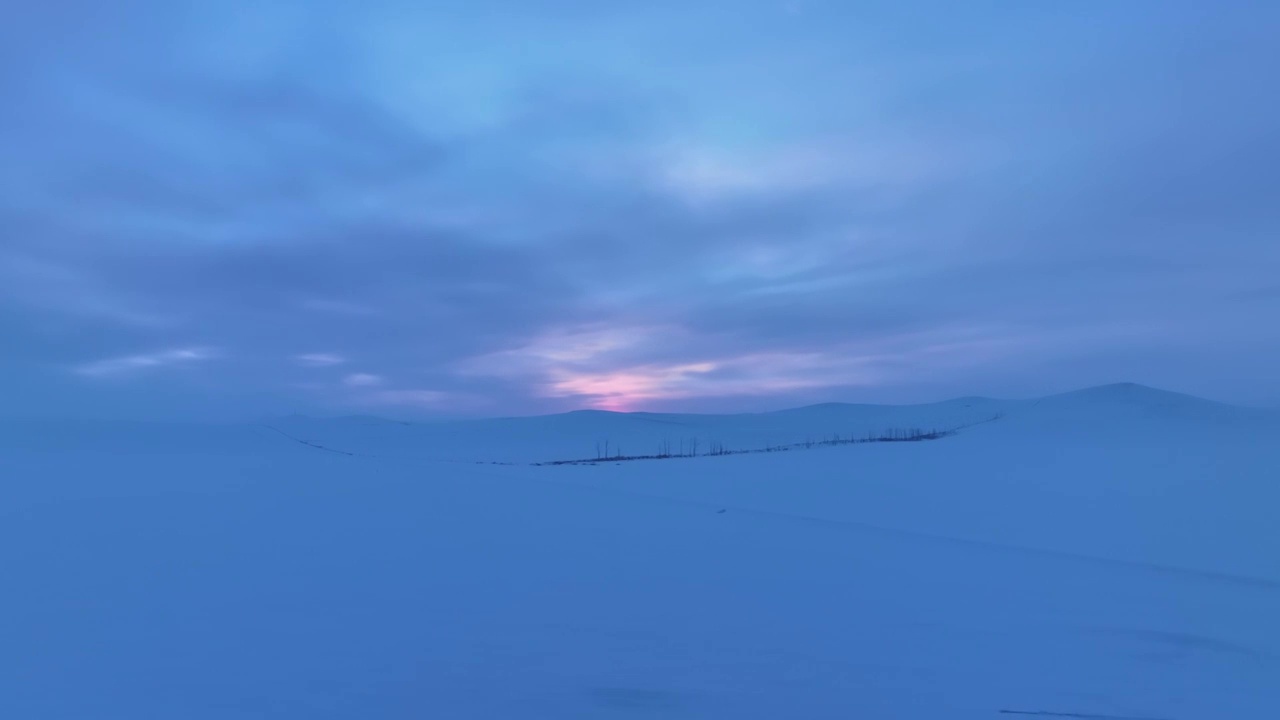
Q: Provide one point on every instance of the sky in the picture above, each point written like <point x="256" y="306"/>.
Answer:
<point x="505" y="207"/>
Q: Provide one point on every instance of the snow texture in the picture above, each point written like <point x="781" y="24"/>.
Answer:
<point x="1106" y="553"/>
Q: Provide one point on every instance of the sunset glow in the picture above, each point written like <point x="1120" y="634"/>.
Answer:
<point x="628" y="389"/>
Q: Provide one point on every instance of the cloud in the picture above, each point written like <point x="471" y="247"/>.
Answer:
<point x="630" y="368"/>
<point x="50" y="285"/>
<point x="336" y="307"/>
<point x="634" y="387"/>
<point x="562" y="345"/>
<point x="411" y="398"/>
<point x="319" y="360"/>
<point x="701" y="173"/>
<point x="134" y="363"/>
<point x="357" y="380"/>
<point x="798" y="211"/>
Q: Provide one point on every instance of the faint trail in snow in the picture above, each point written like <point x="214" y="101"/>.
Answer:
<point x="1207" y="575"/>
<point x="300" y="441"/>
<point x="1086" y="716"/>
<point x="1227" y="578"/>
<point x="1189" y="642"/>
<point x="643" y="699"/>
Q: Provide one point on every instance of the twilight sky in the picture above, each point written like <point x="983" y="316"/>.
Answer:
<point x="486" y="207"/>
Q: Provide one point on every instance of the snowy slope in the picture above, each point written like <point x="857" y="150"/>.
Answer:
<point x="524" y="439"/>
<point x="1107" y="552"/>
<point x="1121" y="472"/>
<point x="579" y="435"/>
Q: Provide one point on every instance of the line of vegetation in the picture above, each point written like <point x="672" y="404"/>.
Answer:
<point x="691" y="448"/>
<point x="300" y="441"/>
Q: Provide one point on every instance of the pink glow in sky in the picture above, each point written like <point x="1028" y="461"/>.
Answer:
<point x="626" y="390"/>
<point x="624" y="367"/>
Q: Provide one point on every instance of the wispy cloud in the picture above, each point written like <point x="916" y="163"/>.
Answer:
<point x="625" y="389"/>
<point x="411" y="398"/>
<point x="319" y="360"/>
<point x="560" y="345"/>
<point x="61" y="288"/>
<point x="361" y="380"/>
<point x="702" y="174"/>
<point x="134" y="363"/>
<point x="335" y="307"/>
<point x="631" y="388"/>
<point x="624" y="368"/>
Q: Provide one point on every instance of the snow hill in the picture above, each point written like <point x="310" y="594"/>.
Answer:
<point x="1106" y="553"/>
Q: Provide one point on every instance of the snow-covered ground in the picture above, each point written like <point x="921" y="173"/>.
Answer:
<point x="1111" y="552"/>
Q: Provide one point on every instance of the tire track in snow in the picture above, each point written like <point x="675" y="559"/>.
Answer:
<point x="1248" y="581"/>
